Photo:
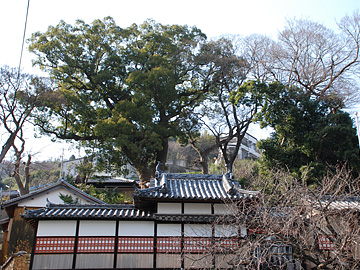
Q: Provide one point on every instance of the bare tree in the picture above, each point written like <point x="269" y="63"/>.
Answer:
<point x="292" y="226"/>
<point x="223" y="118"/>
<point x="19" y="94"/>
<point x="322" y="62"/>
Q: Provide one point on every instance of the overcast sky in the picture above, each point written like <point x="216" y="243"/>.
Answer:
<point x="214" y="18"/>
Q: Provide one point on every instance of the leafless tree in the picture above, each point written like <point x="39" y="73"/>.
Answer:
<point x="293" y="226"/>
<point x="18" y="96"/>
<point x="312" y="57"/>
<point x="226" y="121"/>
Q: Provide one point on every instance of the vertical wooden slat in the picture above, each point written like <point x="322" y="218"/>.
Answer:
<point x="76" y="243"/>
<point x="33" y="247"/>
<point x="116" y="243"/>
<point x="155" y="245"/>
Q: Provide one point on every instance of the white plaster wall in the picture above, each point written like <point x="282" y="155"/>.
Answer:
<point x="169" y="208"/>
<point x="222" y="209"/>
<point x="169" y="229"/>
<point x="225" y="230"/>
<point x="243" y="231"/>
<point x="53" y="196"/>
<point x="56" y="228"/>
<point x="136" y="228"/>
<point x="97" y="228"/>
<point x="199" y="230"/>
<point x="197" y="208"/>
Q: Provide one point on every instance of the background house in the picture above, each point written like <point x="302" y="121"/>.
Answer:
<point x="18" y="236"/>
<point x="248" y="149"/>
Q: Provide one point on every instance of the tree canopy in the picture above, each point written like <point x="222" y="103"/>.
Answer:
<point x="308" y="133"/>
<point x="121" y="91"/>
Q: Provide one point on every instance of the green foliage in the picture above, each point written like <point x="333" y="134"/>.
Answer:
<point x="45" y="172"/>
<point x="85" y="168"/>
<point x="309" y="134"/>
<point x="68" y="199"/>
<point x="218" y="168"/>
<point x="41" y="173"/>
<point x="121" y="92"/>
<point x="251" y="93"/>
<point x="244" y="170"/>
<point x="107" y="195"/>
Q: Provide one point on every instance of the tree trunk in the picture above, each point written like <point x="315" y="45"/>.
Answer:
<point x="162" y="154"/>
<point x="27" y="174"/>
<point x="23" y="187"/>
<point x="204" y="164"/>
<point x="230" y="157"/>
<point x="144" y="176"/>
<point x="5" y="148"/>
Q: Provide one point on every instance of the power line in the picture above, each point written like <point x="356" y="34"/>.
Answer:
<point x="23" y="41"/>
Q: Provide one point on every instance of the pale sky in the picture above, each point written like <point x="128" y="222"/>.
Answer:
<point x="214" y="18"/>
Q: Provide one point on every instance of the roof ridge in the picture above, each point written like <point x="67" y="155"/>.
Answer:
<point x="60" y="182"/>
<point x="99" y="206"/>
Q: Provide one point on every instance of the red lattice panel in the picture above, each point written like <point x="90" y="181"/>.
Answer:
<point x="96" y="244"/>
<point x="325" y="243"/>
<point x="54" y="245"/>
<point x="136" y="244"/>
<point x="197" y="244"/>
<point x="168" y="245"/>
<point x="226" y="245"/>
<point x="256" y="230"/>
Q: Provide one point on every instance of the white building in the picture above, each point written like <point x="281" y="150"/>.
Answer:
<point x="70" y="169"/>
<point x="248" y="149"/>
<point x="169" y="226"/>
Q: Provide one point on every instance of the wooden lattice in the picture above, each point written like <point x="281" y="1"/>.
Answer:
<point x="325" y="243"/>
<point x="197" y="244"/>
<point x="136" y="244"/>
<point x="54" y="245"/>
<point x="96" y="244"/>
<point x="226" y="245"/>
<point x="168" y="245"/>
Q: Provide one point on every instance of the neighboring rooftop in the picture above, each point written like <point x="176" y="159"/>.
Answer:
<point x="195" y="187"/>
<point x="76" y="211"/>
<point x="339" y="202"/>
<point x="59" y="184"/>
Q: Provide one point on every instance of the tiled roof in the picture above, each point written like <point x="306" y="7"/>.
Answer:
<point x="57" y="185"/>
<point x="101" y="212"/>
<point x="112" y="180"/>
<point x="88" y="212"/>
<point x="193" y="187"/>
<point x="339" y="202"/>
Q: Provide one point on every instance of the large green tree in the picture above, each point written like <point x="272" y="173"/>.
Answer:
<point x="120" y="91"/>
<point x="308" y="133"/>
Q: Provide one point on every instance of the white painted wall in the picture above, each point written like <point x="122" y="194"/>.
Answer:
<point x="97" y="228"/>
<point x="53" y="196"/>
<point x="225" y="230"/>
<point x="136" y="228"/>
<point x="199" y="230"/>
<point x="169" y="208"/>
<point x="197" y="208"/>
<point x="222" y="209"/>
<point x="169" y="229"/>
<point x="56" y="228"/>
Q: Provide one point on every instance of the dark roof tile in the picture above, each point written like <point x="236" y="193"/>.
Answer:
<point x="87" y="212"/>
<point x="193" y="187"/>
